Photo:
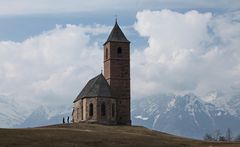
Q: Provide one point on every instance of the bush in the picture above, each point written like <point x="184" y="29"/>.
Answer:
<point x="208" y="137"/>
<point x="237" y="138"/>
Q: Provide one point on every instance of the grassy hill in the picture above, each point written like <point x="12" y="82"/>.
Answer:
<point x="94" y="135"/>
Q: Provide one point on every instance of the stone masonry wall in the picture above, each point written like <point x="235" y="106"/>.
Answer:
<point x="117" y="73"/>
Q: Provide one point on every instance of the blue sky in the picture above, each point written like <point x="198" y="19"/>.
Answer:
<point x="52" y="48"/>
<point x="27" y="18"/>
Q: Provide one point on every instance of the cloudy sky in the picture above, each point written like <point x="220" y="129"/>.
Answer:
<point x="50" y="49"/>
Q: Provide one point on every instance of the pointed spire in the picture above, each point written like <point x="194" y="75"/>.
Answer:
<point x="116" y="34"/>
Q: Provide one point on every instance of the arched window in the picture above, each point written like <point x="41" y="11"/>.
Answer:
<point x="77" y="113"/>
<point x="119" y="51"/>
<point x="103" y="109"/>
<point x="82" y="111"/>
<point x="106" y="53"/>
<point x="113" y="109"/>
<point x="91" y="109"/>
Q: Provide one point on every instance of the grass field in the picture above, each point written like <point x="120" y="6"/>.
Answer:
<point x="94" y="135"/>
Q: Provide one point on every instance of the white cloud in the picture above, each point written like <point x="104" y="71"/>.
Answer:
<point x="187" y="52"/>
<point x="51" y="67"/>
<point x="16" y="7"/>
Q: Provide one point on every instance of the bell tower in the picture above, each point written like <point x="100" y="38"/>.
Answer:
<point x="117" y="72"/>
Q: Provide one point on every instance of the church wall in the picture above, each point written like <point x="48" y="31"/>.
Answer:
<point x="84" y="109"/>
<point x="123" y="111"/>
<point x="117" y="73"/>
<point x="87" y="102"/>
<point x="108" y="103"/>
<point x="81" y="110"/>
<point x="77" y="111"/>
<point x="107" y="64"/>
<point x="114" y="47"/>
<point x="116" y="66"/>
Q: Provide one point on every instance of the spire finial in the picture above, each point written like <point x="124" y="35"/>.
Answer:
<point x="116" y="18"/>
<point x="101" y="70"/>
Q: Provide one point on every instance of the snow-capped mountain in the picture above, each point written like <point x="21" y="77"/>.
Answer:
<point x="46" y="115"/>
<point x="227" y="102"/>
<point x="18" y="114"/>
<point x="14" y="113"/>
<point x="234" y="104"/>
<point x="185" y="115"/>
<point x="212" y="96"/>
<point x="11" y="113"/>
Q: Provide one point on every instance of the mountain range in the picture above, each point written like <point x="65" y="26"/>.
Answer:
<point x="184" y="115"/>
<point x="11" y="113"/>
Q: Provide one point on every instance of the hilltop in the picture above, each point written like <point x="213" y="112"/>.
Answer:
<point x="95" y="135"/>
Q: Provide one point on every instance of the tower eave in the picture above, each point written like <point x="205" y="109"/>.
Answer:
<point x="117" y="41"/>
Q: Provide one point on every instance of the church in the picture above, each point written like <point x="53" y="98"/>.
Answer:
<point x="105" y="99"/>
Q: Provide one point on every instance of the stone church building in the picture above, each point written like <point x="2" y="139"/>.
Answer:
<point x="106" y="98"/>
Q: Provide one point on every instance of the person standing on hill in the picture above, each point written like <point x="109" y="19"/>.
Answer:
<point x="63" y="120"/>
<point x="68" y="119"/>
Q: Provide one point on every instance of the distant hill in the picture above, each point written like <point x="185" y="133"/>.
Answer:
<point x="94" y="135"/>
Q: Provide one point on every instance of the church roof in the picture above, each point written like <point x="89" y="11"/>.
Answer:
<point x="117" y="35"/>
<point x="96" y="87"/>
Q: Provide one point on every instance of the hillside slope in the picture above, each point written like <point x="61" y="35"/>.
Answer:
<point x="93" y="135"/>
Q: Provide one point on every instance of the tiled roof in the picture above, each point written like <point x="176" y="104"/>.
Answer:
<point x="96" y="87"/>
<point x="117" y="35"/>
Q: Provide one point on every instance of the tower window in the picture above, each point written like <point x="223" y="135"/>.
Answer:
<point x="91" y="109"/>
<point x="106" y="53"/>
<point x="119" y="51"/>
<point x="113" y="109"/>
<point x="103" y="109"/>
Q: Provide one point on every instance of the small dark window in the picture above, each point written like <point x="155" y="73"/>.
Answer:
<point x="119" y="50"/>
<point x="113" y="110"/>
<point x="82" y="111"/>
<point x="77" y="113"/>
<point x="103" y="109"/>
<point x="91" y="109"/>
<point x="106" y="53"/>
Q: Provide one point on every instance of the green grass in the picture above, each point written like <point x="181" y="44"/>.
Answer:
<point x="94" y="135"/>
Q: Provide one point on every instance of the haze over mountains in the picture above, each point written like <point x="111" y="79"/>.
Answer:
<point x="183" y="115"/>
